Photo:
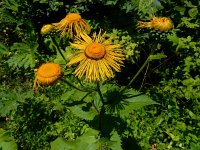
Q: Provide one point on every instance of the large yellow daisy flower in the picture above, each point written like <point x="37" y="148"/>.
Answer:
<point x="72" y="25"/>
<point x="157" y="23"/>
<point x="47" y="74"/>
<point x="97" y="57"/>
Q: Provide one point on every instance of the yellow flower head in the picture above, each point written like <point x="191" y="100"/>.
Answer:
<point x="72" y="25"/>
<point x="47" y="74"/>
<point x="46" y="29"/>
<point x="97" y="57"/>
<point x="157" y="23"/>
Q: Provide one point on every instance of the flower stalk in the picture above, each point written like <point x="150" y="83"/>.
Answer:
<point x="102" y="111"/>
<point x="136" y="75"/>
<point x="58" y="49"/>
<point x="75" y="87"/>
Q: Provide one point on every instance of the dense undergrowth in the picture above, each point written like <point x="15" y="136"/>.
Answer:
<point x="67" y="115"/>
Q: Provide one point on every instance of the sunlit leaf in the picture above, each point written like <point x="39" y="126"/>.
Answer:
<point x="79" y="112"/>
<point x="6" y="141"/>
<point x="134" y="101"/>
<point x="157" y="56"/>
<point x="87" y="141"/>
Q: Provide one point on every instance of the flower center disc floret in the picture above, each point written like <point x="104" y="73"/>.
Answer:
<point x="49" y="70"/>
<point x="95" y="51"/>
<point x="73" y="17"/>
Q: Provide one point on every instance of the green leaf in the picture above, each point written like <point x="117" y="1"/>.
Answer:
<point x="3" y="50"/>
<point x="61" y="144"/>
<point x="144" y="5"/>
<point x="193" y="12"/>
<point x="11" y="4"/>
<point x="88" y="141"/>
<point x="87" y="115"/>
<point x="73" y="95"/>
<point x="135" y="101"/>
<point x="157" y="56"/>
<point x="116" y="141"/>
<point x="24" y="57"/>
<point x="9" y="100"/>
<point x="180" y="9"/>
<point x="6" y="141"/>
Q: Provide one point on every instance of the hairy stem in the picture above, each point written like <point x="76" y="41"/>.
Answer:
<point x="102" y="111"/>
<point x="69" y="83"/>
<point x="57" y="47"/>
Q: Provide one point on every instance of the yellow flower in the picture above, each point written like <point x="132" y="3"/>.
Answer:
<point x="47" y="74"/>
<point x="46" y="29"/>
<point x="97" y="57"/>
<point x="157" y="23"/>
<point x="72" y="24"/>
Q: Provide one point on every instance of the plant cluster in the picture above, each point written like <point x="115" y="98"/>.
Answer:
<point x="104" y="74"/>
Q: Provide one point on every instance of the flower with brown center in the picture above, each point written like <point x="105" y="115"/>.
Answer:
<point x="157" y="23"/>
<point x="72" y="25"/>
<point x="47" y="74"/>
<point x="97" y="57"/>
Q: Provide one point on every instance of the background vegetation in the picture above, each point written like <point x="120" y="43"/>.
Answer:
<point x="53" y="118"/>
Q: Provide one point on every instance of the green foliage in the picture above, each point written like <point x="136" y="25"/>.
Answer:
<point x="157" y="56"/>
<point x="125" y="102"/>
<point x="88" y="115"/>
<point x="115" y="114"/>
<point x="87" y="141"/>
<point x="3" y="50"/>
<point x="10" y="99"/>
<point x="45" y="121"/>
<point x="127" y="43"/>
<point x="135" y="100"/>
<point x="6" y="141"/>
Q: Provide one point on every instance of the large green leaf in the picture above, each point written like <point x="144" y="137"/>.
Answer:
<point x="123" y="102"/>
<point x="79" y="112"/>
<point x="61" y="144"/>
<point x="6" y="141"/>
<point x="9" y="100"/>
<point x="135" y="100"/>
<point x="87" y="141"/>
<point x="24" y="55"/>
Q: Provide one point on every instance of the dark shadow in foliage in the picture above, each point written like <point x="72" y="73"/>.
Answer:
<point x="110" y="16"/>
<point x="130" y="143"/>
<point x="115" y="100"/>
<point x="110" y="123"/>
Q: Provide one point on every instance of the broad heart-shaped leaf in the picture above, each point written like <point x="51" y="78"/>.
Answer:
<point x="88" y="141"/>
<point x="6" y="142"/>
<point x="135" y="100"/>
<point x="61" y="144"/>
<point x="79" y="112"/>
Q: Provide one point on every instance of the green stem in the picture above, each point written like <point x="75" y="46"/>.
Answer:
<point x="102" y="111"/>
<point x="99" y="92"/>
<point x="136" y="75"/>
<point x="57" y="47"/>
<point x="74" y="86"/>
